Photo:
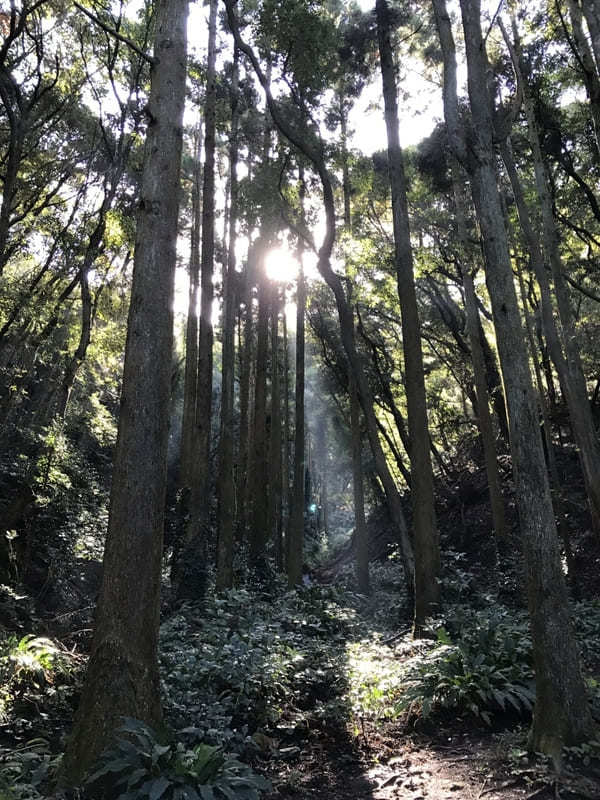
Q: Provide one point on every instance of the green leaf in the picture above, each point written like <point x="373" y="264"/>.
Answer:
<point x="159" y="787"/>
<point x="442" y="636"/>
<point x="159" y="750"/>
<point x="500" y="698"/>
<point x="229" y="793"/>
<point x="113" y="766"/>
<point x="136" y="776"/>
<point x="514" y="701"/>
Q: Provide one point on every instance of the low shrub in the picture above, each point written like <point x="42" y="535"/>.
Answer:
<point x="249" y="659"/>
<point x="142" y="767"/>
<point x="482" y="664"/>
<point x="25" y="770"/>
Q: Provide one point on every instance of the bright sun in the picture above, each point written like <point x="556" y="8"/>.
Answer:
<point x="281" y="265"/>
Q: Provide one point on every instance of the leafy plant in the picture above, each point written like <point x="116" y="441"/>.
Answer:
<point x="24" y="770"/>
<point x="30" y="663"/>
<point x="140" y="767"/>
<point x="487" y="669"/>
<point x="248" y="660"/>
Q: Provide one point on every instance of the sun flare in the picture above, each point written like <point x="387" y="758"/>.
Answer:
<point x="281" y="265"/>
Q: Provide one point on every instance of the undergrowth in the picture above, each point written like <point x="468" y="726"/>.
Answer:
<point x="252" y="663"/>
<point x="250" y="675"/>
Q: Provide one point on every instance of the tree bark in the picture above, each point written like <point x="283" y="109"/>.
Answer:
<point x="122" y="676"/>
<point x="296" y="522"/>
<point x="561" y="714"/>
<point x="190" y="573"/>
<point x="190" y="382"/>
<point x="425" y="534"/>
<point x="484" y="419"/>
<point x="360" y="525"/>
<point x="275" y="526"/>
<point x="259" y="533"/>
<point x="592" y="17"/>
<point x="568" y="365"/>
<point x="246" y="348"/>
<point x="225" y="478"/>
<point x="591" y="79"/>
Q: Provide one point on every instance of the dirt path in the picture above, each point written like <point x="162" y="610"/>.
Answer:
<point x="389" y="764"/>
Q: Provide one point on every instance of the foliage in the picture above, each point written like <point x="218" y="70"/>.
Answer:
<point x="486" y="669"/>
<point x="30" y="663"/>
<point x="25" y="770"/>
<point x="36" y="677"/>
<point x="140" y="766"/>
<point x="243" y="666"/>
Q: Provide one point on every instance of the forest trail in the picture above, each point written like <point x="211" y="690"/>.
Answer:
<point x="361" y="755"/>
<point x="448" y="762"/>
<point x="323" y="692"/>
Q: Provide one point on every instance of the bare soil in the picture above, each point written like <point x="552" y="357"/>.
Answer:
<point x="389" y="762"/>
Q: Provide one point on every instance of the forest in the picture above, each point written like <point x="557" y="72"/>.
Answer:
<point x="299" y="399"/>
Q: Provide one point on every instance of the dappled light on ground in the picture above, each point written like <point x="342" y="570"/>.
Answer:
<point x="323" y="693"/>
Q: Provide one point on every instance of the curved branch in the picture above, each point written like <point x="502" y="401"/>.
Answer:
<point x="115" y="34"/>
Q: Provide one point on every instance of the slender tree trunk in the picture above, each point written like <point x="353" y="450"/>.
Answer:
<point x="93" y="250"/>
<point x="360" y="525"/>
<point x="591" y="77"/>
<point x="345" y="167"/>
<point x="191" y="577"/>
<point x="592" y="17"/>
<point x="275" y="453"/>
<point x="287" y="460"/>
<point x="569" y="368"/>
<point x="561" y="713"/>
<point x="247" y="347"/>
<point x="259" y="532"/>
<point x="190" y="383"/>
<point x="122" y="676"/>
<point x="11" y="174"/>
<point x="484" y="419"/>
<point x="225" y="479"/>
<point x="296" y="523"/>
<point x="556" y="486"/>
<point x="426" y="541"/>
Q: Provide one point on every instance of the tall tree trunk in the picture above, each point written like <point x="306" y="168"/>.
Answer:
<point x="426" y="541"/>
<point x="592" y="17"/>
<point x="360" y="525"/>
<point x="287" y="443"/>
<point x="561" y="713"/>
<point x="259" y="455"/>
<point x="484" y="419"/>
<point x="122" y="676"/>
<point x="225" y="478"/>
<point x="296" y="523"/>
<point x="246" y="348"/>
<point x="591" y="77"/>
<point x="275" y="454"/>
<point x="193" y="553"/>
<point x="18" y="126"/>
<point x="345" y="167"/>
<point x="569" y="368"/>
<point x="190" y="382"/>
<point x="556" y="486"/>
<point x="536" y="258"/>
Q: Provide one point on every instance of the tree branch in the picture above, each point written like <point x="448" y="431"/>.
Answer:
<point x="150" y="59"/>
